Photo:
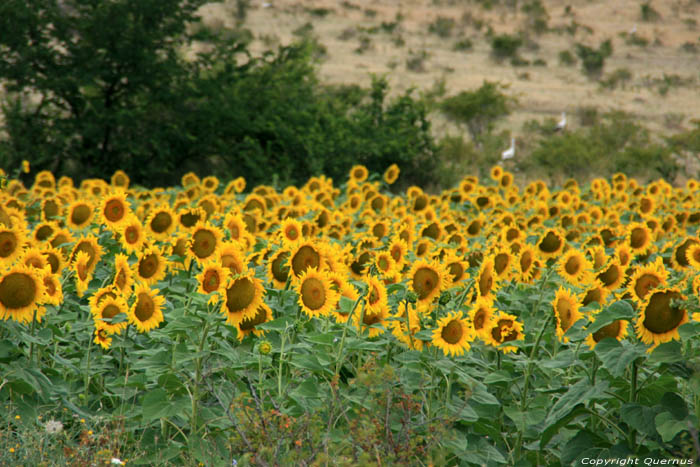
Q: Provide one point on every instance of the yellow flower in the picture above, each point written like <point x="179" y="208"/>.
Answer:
<point x="505" y="328"/>
<point x="244" y="294"/>
<point x="146" y="313"/>
<point x="304" y="255"/>
<point x="25" y="166"/>
<point x="123" y="275"/>
<point x="377" y="301"/>
<point x="566" y="312"/>
<point x="131" y="234"/>
<point x="11" y="242"/>
<point x="21" y="292"/>
<point x="150" y="267"/>
<point x="80" y="214"/>
<point x="481" y="316"/>
<point x="453" y="334"/>
<point x="316" y="297"/>
<point x="646" y="278"/>
<point x="114" y="210"/>
<point x="391" y="174"/>
<point x="617" y="330"/>
<point x="161" y="222"/>
<point x="358" y="173"/>
<point x="106" y="314"/>
<point x="206" y="241"/>
<point x="551" y="243"/>
<point x="248" y="325"/>
<point x="658" y="319"/>
<point x="575" y="268"/>
<point x="427" y="279"/>
<point x="83" y="274"/>
<point x="212" y="279"/>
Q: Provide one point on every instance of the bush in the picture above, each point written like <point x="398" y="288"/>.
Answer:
<point x="505" y="46"/>
<point x="442" y="26"/>
<point x="479" y="109"/>
<point x="593" y="60"/>
<point x="567" y="58"/>
<point x="121" y="96"/>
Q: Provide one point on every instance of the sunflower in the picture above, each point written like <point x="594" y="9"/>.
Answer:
<point x="385" y="264"/>
<point x="120" y="179"/>
<point x="235" y="186"/>
<point x="453" y="334"/>
<point x="399" y="327"/>
<point x="646" y="278"/>
<point x="89" y="245"/>
<point x="278" y="268"/>
<point x="107" y="310"/>
<point x="481" y="316"/>
<point x="551" y="243"/>
<point x="391" y="174"/>
<point x="504" y="328"/>
<point x="150" y="266"/>
<point x="358" y="173"/>
<point x="575" y="268"/>
<point x="11" y="242"/>
<point x="304" y="255"/>
<point x="51" y="208"/>
<point x="53" y="290"/>
<point x="612" y="276"/>
<point x="369" y="320"/>
<point x="131" y="234"/>
<point x="290" y="231"/>
<point x="486" y="281"/>
<point x="80" y="214"/>
<point x="83" y="274"/>
<point x="456" y="267"/>
<point x="345" y="289"/>
<point x="237" y="228"/>
<point x="617" y="330"/>
<point x="211" y="279"/>
<point x="21" y="291"/>
<point x="377" y="300"/>
<point x="206" y="241"/>
<point x="190" y="178"/>
<point x="595" y="292"/>
<point x="146" y="313"/>
<point x="659" y="319"/>
<point x="123" y="275"/>
<point x="247" y="325"/>
<point x="161" y="222"/>
<point x="102" y="338"/>
<point x="638" y="237"/>
<point x="34" y="258"/>
<point x="244" y="294"/>
<point x="316" y="296"/>
<point x="427" y="279"/>
<point x="114" y="210"/>
<point x="566" y="305"/>
<point x="44" y="231"/>
<point x="503" y="262"/>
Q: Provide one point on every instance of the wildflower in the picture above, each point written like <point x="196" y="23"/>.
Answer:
<point x="53" y="427"/>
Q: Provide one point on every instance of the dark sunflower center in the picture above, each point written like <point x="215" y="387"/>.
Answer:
<point x="681" y="252"/>
<point x="420" y="203"/>
<point x="50" y="209"/>
<point x="50" y="286"/>
<point x="660" y="316"/>
<point x="432" y="231"/>
<point x="371" y="319"/>
<point x="525" y="262"/>
<point x="485" y="283"/>
<point x="550" y="243"/>
<point x="114" y="210"/>
<point x="249" y="324"/>
<point x="211" y="281"/>
<point x="148" y="266"/>
<point x="593" y="295"/>
<point x="87" y="248"/>
<point x="280" y="271"/>
<point x="456" y="270"/>
<point x="292" y="233"/>
<point x="474" y="228"/>
<point x="374" y="296"/>
<point x="81" y="214"/>
<point x="645" y="283"/>
<point x="161" y="222"/>
<point x="204" y="243"/>
<point x="17" y="290"/>
<point x="305" y="258"/>
<point x="43" y="232"/>
<point x="611" y="330"/>
<point x="383" y="264"/>
<point x="313" y="294"/>
<point x="610" y="276"/>
<point x="425" y="280"/>
<point x="565" y="314"/>
<point x="479" y="319"/>
<point x="501" y="262"/>
<point x="638" y="238"/>
<point x="453" y="332"/>
<point x="189" y="219"/>
<point x="8" y="244"/>
<point x="120" y="280"/>
<point x="235" y="231"/>
<point x="572" y="266"/>
<point x="110" y="311"/>
<point x="144" y="307"/>
<point x="240" y="295"/>
<point x="131" y="234"/>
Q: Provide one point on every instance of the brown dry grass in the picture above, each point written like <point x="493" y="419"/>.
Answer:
<point x="542" y="91"/>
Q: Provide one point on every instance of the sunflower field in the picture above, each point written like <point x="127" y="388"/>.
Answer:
<point x="343" y="323"/>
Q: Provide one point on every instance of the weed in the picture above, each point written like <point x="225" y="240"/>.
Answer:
<point x="539" y="62"/>
<point x="636" y="39"/>
<point x="347" y="34"/>
<point x="442" y="27"/>
<point x="319" y="12"/>
<point x="519" y="61"/>
<point x="648" y="13"/>
<point x="537" y="16"/>
<point x="349" y="6"/>
<point x="618" y="77"/>
<point x="463" y="45"/>
<point x="364" y="45"/>
<point x="505" y="46"/>
<point x="587" y="115"/>
<point x="567" y="58"/>
<point x="689" y="47"/>
<point x="370" y="13"/>
<point x="674" y="120"/>
<point x="398" y="40"/>
<point x="594" y="59"/>
<point x="416" y="61"/>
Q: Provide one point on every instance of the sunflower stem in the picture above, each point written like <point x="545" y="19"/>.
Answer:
<point x="345" y="332"/>
<point x="87" y="371"/>
<point x="632" y="437"/>
<point x="31" y="344"/>
<point x="408" y="325"/>
<point x="197" y="376"/>
<point x="279" y="372"/>
<point x="121" y="356"/>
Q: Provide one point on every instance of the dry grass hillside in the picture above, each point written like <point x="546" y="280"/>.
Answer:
<point x="653" y="72"/>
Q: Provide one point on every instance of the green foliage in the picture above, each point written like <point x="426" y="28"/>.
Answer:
<point x="442" y="27"/>
<point x="111" y="89"/>
<point x="505" y="46"/>
<point x="592" y="59"/>
<point x="478" y="109"/>
<point x="567" y="58"/>
<point x="619" y="77"/>
<point x="648" y="13"/>
<point x="463" y="45"/>
<point x="615" y="144"/>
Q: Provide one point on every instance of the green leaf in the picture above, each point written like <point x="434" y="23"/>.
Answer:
<point x="668" y="426"/>
<point x="616" y="356"/>
<point x="156" y="405"/>
<point x="309" y="362"/>
<point x="675" y="404"/>
<point x="279" y="324"/>
<point x="579" y="393"/>
<point x="621" y="309"/>
<point x="553" y="428"/>
<point x="668" y="352"/>
<point x="639" y="417"/>
<point x="524" y="419"/>
<point x="499" y="376"/>
<point x="689" y="330"/>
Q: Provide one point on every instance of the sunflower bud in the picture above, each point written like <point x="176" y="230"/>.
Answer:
<point x="264" y="348"/>
<point x="445" y="298"/>
<point x="411" y="297"/>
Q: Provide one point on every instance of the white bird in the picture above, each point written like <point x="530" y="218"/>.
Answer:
<point x="633" y="30"/>
<point x="510" y="152"/>
<point x="562" y="123"/>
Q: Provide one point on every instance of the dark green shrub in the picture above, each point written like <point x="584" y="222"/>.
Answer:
<point x="567" y="58"/>
<point x="592" y="59"/>
<point x="478" y="109"/>
<point x="648" y="13"/>
<point x="505" y="46"/>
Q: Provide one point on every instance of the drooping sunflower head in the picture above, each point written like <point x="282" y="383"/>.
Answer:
<point x="376" y="302"/>
<point x="486" y="280"/>
<point x="278" y="268"/>
<point x="22" y="290"/>
<point x="146" y="313"/>
<point x="248" y="325"/>
<point x="505" y="328"/>
<point x="34" y="257"/>
<point x="692" y="256"/>
<point x="456" y="268"/>
<point x="89" y="245"/>
<point x="103" y="338"/>
<point x="53" y="289"/>
<point x="566" y="305"/>
<point x="316" y="296"/>
<point x="612" y="276"/>
<point x="617" y="330"/>
<point x="659" y="317"/>
<point x="453" y="334"/>
<point x="528" y="264"/>
<point x="123" y="275"/>
<point x="427" y="279"/>
<point x="503" y="262"/>
<point x="51" y="208"/>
